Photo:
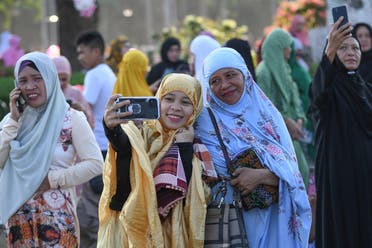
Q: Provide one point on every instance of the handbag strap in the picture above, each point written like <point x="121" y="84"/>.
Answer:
<point x="236" y="201"/>
<point x="218" y="133"/>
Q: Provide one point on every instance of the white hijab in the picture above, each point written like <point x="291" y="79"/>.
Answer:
<point x="32" y="151"/>
<point x="200" y="47"/>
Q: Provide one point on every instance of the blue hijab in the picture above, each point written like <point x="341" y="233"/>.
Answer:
<point x="254" y="122"/>
<point x="32" y="151"/>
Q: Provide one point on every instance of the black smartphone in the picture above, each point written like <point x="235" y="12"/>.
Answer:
<point x="339" y="11"/>
<point x="142" y="107"/>
<point x="20" y="100"/>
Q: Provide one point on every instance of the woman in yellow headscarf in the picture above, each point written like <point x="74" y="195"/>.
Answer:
<point x="131" y="76"/>
<point x="153" y="175"/>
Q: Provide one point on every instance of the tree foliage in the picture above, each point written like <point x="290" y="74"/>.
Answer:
<point x="8" y="8"/>
<point x="191" y="26"/>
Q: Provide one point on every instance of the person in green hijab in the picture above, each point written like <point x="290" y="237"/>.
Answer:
<point x="303" y="80"/>
<point x="274" y="77"/>
<point x="301" y="77"/>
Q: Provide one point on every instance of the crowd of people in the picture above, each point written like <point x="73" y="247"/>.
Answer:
<point x="77" y="172"/>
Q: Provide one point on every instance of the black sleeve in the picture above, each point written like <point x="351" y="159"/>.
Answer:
<point x="324" y="75"/>
<point x="120" y="142"/>
<point x="183" y="67"/>
<point x="117" y="138"/>
<point x="186" y="151"/>
<point x="322" y="83"/>
<point x="155" y="73"/>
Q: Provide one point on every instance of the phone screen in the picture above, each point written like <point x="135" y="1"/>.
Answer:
<point x="339" y="11"/>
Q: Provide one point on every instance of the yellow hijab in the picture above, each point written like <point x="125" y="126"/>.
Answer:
<point x="138" y="224"/>
<point x="131" y="76"/>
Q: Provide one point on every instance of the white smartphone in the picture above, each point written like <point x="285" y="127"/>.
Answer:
<point x="142" y="107"/>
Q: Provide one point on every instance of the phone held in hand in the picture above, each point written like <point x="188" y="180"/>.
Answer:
<point x="143" y="108"/>
<point x="339" y="11"/>
<point x="20" y="100"/>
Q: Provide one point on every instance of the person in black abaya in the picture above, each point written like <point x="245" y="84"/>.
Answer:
<point x="170" y="62"/>
<point x="341" y="107"/>
<point x="363" y="32"/>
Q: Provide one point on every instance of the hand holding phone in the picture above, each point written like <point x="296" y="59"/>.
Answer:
<point x="339" y="11"/>
<point x="340" y="31"/>
<point x="16" y="104"/>
<point x="20" y="101"/>
<point x="142" y="108"/>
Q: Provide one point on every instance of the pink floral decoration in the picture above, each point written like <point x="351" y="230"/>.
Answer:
<point x="85" y="7"/>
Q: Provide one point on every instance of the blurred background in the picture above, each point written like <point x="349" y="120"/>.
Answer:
<point x="42" y="23"/>
<point x="53" y="25"/>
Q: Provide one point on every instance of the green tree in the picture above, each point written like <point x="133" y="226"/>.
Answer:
<point x="8" y="7"/>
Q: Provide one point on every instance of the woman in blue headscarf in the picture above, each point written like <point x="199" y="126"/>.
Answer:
<point x="247" y="120"/>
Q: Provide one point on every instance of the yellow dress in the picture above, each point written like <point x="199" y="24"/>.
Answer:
<point x="138" y="223"/>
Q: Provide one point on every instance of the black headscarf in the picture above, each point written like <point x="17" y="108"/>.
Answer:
<point x="361" y="24"/>
<point x="243" y="47"/>
<point x="366" y="60"/>
<point x="158" y="70"/>
<point x="167" y="44"/>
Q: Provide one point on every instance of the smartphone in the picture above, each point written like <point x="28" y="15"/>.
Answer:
<point x="339" y="11"/>
<point x="142" y="107"/>
<point x="20" y="100"/>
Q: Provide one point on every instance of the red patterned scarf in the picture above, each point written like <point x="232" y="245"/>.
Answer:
<point x="170" y="180"/>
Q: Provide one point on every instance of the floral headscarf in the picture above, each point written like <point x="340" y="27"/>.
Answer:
<point x="254" y="122"/>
